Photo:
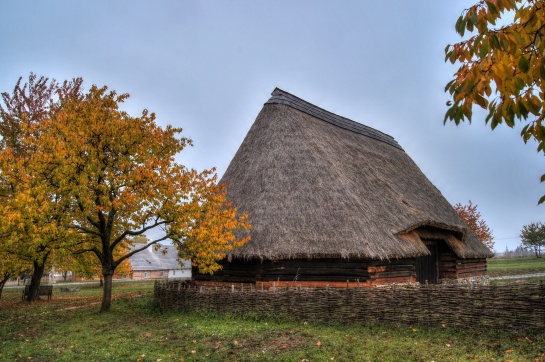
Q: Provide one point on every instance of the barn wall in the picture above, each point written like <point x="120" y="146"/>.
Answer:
<point x="451" y="267"/>
<point x="159" y="274"/>
<point x="327" y="270"/>
<point x="337" y="273"/>
<point x="149" y="274"/>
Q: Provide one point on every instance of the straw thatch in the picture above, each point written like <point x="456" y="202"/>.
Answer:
<point x="317" y="185"/>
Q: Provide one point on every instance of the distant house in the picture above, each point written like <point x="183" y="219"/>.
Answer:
<point x="334" y="202"/>
<point x="152" y="264"/>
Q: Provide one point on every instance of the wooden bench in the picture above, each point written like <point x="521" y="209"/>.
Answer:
<point x="42" y="290"/>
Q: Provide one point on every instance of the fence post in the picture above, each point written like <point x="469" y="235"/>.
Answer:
<point x="542" y="297"/>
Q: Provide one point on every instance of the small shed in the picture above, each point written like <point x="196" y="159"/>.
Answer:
<point x="335" y="203"/>
<point x="155" y="264"/>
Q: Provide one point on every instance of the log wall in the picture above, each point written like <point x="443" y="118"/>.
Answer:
<point x="311" y="273"/>
<point x="335" y="273"/>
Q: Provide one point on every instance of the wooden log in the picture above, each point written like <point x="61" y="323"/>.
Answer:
<point x="391" y="275"/>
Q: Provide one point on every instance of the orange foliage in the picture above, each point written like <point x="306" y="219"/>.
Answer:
<point x="96" y="177"/>
<point x="501" y="69"/>
<point x="472" y="218"/>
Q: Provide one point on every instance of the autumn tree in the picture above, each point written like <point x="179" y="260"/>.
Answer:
<point x="118" y="178"/>
<point x="86" y="265"/>
<point x="10" y="267"/>
<point x="533" y="237"/>
<point x="32" y="213"/>
<point x="501" y="68"/>
<point x="472" y="218"/>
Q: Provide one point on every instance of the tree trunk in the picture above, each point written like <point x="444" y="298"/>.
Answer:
<point x="2" y="283"/>
<point x="107" y="294"/>
<point x="37" y="274"/>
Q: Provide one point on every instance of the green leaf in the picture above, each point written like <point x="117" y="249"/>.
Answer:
<point x="519" y="83"/>
<point x="473" y="17"/>
<point x="534" y="106"/>
<point x="447" y="87"/>
<point x="483" y="51"/>
<point x="460" y="26"/>
<point x="522" y="110"/>
<point x="490" y="114"/>
<point x="494" y="42"/>
<point x="492" y="8"/>
<point x="481" y="101"/>
<point x="469" y="26"/>
<point x="542" y="178"/>
<point x="478" y="40"/>
<point x="541" y="200"/>
<point x="524" y="65"/>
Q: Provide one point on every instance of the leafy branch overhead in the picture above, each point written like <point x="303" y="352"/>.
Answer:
<point x="502" y="68"/>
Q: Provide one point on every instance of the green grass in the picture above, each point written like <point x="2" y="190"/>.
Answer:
<point x="70" y="328"/>
<point x="515" y="266"/>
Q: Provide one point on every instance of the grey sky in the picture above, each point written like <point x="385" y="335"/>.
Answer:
<point x="208" y="66"/>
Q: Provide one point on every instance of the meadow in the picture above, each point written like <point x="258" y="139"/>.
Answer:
<point x="70" y="328"/>
<point x="515" y="266"/>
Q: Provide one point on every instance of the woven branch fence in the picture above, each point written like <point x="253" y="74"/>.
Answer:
<point x="510" y="307"/>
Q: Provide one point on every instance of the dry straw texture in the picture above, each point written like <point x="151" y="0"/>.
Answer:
<point x="510" y="307"/>
<point x="319" y="188"/>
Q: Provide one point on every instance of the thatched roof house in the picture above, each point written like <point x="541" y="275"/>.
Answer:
<point x="323" y="190"/>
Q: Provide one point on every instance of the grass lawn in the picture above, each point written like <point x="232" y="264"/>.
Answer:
<point x="70" y="328"/>
<point x="515" y="266"/>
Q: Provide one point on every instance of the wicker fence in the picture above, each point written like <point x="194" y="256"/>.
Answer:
<point x="511" y="307"/>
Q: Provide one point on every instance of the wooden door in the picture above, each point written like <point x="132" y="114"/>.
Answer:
<point x="427" y="267"/>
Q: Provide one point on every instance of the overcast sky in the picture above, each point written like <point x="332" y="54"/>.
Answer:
<point x="208" y="67"/>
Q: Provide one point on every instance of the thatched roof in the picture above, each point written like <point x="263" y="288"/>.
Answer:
<point x="318" y="185"/>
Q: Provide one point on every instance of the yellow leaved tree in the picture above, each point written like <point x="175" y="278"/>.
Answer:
<point x="78" y="173"/>
<point x="501" y="68"/>
<point x="118" y="178"/>
<point x="32" y="212"/>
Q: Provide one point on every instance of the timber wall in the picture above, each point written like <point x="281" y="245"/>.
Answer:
<point x="337" y="273"/>
<point x="510" y="307"/>
<point x="316" y="272"/>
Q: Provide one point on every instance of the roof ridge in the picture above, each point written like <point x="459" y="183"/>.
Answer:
<point x="279" y="96"/>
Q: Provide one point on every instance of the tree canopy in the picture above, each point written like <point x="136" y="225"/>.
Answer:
<point x="32" y="211"/>
<point x="472" y="218"/>
<point x="502" y="68"/>
<point x="107" y="177"/>
<point x="533" y="237"/>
